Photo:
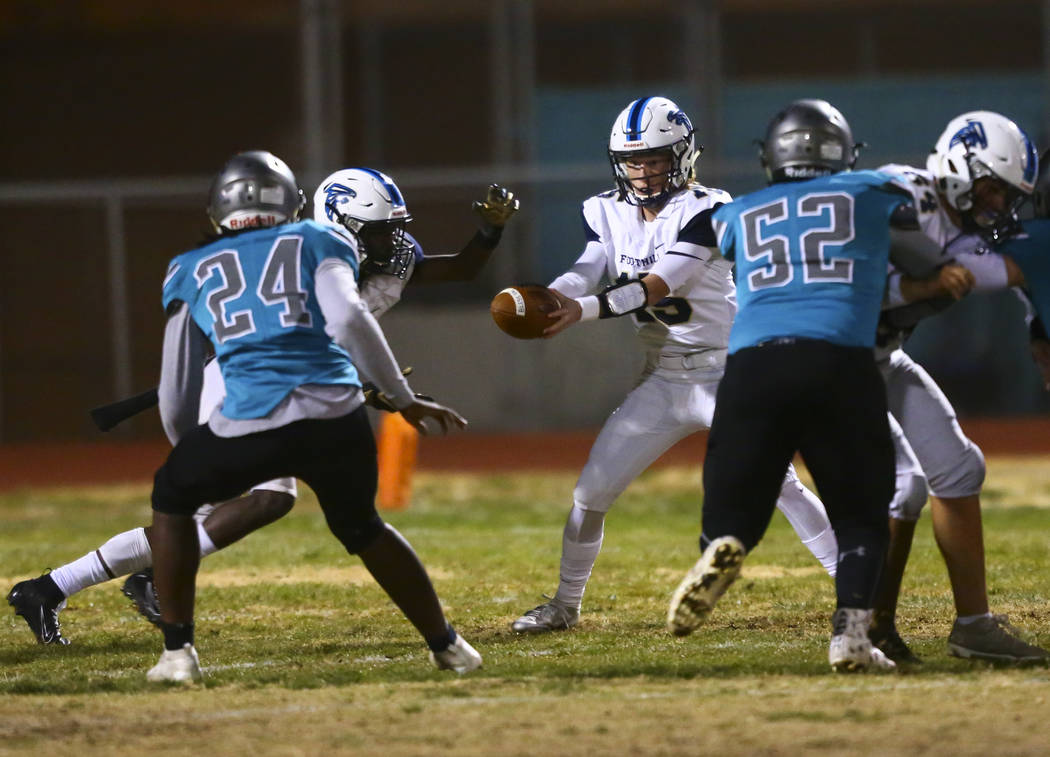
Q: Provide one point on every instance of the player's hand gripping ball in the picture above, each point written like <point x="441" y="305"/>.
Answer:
<point x="522" y="311"/>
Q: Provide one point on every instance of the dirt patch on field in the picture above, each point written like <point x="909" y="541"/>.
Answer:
<point x="75" y="464"/>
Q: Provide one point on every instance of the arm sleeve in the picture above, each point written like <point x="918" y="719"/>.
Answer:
<point x="586" y="273"/>
<point x="181" y="374"/>
<point x="988" y="268"/>
<point x="913" y="252"/>
<point x="352" y="327"/>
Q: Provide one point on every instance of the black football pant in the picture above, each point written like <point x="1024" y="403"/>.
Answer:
<point x="828" y="403"/>
<point x="336" y="457"/>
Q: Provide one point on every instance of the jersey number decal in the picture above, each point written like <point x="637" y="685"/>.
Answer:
<point x="668" y="311"/>
<point x="775" y="250"/>
<point x="279" y="285"/>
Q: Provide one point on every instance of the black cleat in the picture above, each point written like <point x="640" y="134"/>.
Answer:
<point x="39" y="611"/>
<point x="139" y="589"/>
<point x="893" y="646"/>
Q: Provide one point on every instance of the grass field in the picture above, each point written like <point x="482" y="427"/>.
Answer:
<point x="304" y="655"/>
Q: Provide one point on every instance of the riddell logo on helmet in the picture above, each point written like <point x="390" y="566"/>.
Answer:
<point x="247" y="222"/>
<point x="637" y="143"/>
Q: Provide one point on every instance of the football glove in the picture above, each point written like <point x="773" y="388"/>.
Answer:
<point x="496" y="209"/>
<point x="378" y="400"/>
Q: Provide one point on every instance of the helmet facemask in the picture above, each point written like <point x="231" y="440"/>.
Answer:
<point x="637" y="190"/>
<point x="384" y="246"/>
<point x="974" y="204"/>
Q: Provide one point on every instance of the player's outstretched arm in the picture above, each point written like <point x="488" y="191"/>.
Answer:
<point x="493" y="213"/>
<point x="429" y="417"/>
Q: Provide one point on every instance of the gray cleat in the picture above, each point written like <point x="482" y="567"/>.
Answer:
<point x="993" y="638"/>
<point x="550" y="616"/>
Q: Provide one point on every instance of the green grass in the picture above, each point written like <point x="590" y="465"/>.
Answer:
<point x="289" y="627"/>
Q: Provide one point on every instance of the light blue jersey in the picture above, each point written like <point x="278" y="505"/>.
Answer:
<point x="252" y="296"/>
<point x="1031" y="252"/>
<point x="811" y="258"/>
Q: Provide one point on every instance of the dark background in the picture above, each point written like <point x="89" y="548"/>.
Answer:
<point x="121" y="109"/>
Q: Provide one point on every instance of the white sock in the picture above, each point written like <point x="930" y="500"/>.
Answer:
<point x="966" y="620"/>
<point x="127" y="552"/>
<point x="207" y="545"/>
<point x="80" y="574"/>
<point x="577" y="557"/>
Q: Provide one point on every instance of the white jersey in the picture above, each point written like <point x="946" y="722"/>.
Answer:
<point x="381" y="291"/>
<point x="698" y="313"/>
<point x="964" y="247"/>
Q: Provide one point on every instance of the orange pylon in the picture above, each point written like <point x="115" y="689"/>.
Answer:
<point x="398" y="444"/>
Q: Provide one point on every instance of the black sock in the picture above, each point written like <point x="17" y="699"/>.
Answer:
<point x="177" y="635"/>
<point x="49" y="589"/>
<point x="442" y="642"/>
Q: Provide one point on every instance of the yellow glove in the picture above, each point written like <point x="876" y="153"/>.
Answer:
<point x="497" y="207"/>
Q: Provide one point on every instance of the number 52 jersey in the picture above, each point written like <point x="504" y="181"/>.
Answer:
<point x="811" y="257"/>
<point x="252" y="294"/>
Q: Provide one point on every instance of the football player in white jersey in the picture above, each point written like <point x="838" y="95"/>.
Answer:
<point x="981" y="168"/>
<point x="652" y="236"/>
<point x="368" y="205"/>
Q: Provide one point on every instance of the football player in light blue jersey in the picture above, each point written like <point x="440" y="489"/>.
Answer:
<point x="271" y="287"/>
<point x="367" y="205"/>
<point x="811" y="255"/>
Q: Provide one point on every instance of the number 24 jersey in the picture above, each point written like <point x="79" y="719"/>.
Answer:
<point x="252" y="294"/>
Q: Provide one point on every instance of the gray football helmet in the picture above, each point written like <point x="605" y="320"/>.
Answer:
<point x="808" y="138"/>
<point x="254" y="189"/>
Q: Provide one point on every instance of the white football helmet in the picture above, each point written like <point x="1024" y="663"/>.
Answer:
<point x="652" y="124"/>
<point x="368" y="204"/>
<point x="978" y="144"/>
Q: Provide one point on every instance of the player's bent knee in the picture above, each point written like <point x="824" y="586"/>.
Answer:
<point x="909" y="498"/>
<point x="963" y="480"/>
<point x="357" y="537"/>
<point x="169" y="499"/>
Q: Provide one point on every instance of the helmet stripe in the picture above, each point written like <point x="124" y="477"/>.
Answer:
<point x="634" y="120"/>
<point x="1031" y="159"/>
<point x="395" y="194"/>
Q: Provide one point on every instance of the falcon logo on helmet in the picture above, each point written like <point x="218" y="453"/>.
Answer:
<point x="368" y="204"/>
<point x="971" y="135"/>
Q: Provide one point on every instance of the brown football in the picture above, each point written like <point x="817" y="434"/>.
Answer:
<point x="521" y="311"/>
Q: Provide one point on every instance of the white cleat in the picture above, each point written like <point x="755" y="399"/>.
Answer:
<point x="851" y="650"/>
<point x="704" y="584"/>
<point x="458" y="656"/>
<point x="177" y="666"/>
